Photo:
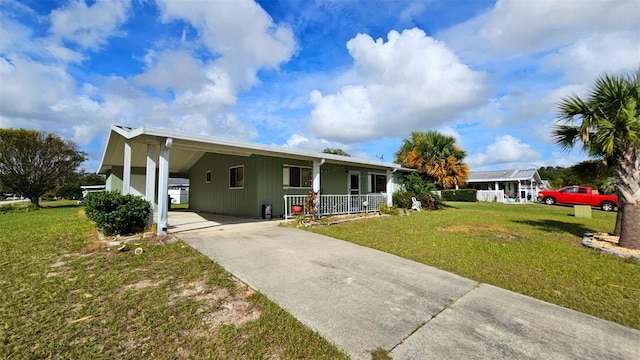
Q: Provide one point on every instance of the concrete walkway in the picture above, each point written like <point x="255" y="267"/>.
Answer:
<point x="362" y="299"/>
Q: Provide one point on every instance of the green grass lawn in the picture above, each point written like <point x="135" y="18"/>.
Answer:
<point x="531" y="249"/>
<point x="63" y="296"/>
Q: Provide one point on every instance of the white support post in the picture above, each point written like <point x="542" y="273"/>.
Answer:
<point x="519" y="197"/>
<point x="390" y="188"/>
<point x="316" y="183"/>
<point x="126" y="172"/>
<point x="163" y="187"/>
<point x="150" y="186"/>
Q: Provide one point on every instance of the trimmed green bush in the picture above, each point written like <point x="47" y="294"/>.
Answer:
<point x="115" y="213"/>
<point x="385" y="209"/>
<point x="402" y="199"/>
<point x="468" y="195"/>
<point x="415" y="185"/>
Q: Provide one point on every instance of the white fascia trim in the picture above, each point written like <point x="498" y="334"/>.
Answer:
<point x="255" y="148"/>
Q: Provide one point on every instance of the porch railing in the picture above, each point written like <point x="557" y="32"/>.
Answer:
<point x="334" y="204"/>
<point x="491" y="196"/>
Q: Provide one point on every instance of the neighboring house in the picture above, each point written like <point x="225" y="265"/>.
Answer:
<point x="239" y="178"/>
<point x="520" y="185"/>
<point x="179" y="190"/>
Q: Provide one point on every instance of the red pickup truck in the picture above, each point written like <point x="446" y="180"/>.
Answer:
<point x="578" y="195"/>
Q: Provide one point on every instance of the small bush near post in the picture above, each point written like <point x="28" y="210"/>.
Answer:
<point x="402" y="199"/>
<point x="115" y="213"/>
<point x="468" y="195"/>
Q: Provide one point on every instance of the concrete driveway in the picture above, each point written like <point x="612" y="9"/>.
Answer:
<point x="362" y="299"/>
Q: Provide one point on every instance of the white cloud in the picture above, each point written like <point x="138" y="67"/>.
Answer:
<point x="178" y="89"/>
<point x="89" y="26"/>
<point x="505" y="150"/>
<point x="410" y="82"/>
<point x="29" y="88"/>
<point x="515" y="28"/>
<point x="302" y="142"/>
<point x="177" y="70"/>
<point x="523" y="25"/>
<point x="588" y="58"/>
<point x="240" y="32"/>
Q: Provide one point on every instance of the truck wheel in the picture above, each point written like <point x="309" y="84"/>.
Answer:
<point x="549" y="200"/>
<point x="607" y="206"/>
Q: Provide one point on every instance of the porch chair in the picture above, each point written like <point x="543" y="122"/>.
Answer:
<point x="415" y="204"/>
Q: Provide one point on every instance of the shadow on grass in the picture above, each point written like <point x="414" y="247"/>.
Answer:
<point x="554" y="226"/>
<point x="51" y="206"/>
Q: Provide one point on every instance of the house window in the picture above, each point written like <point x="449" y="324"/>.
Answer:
<point x="236" y="177"/>
<point x="377" y="183"/>
<point x="208" y="177"/>
<point x="296" y="177"/>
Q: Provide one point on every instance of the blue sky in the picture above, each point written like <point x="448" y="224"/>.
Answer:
<point x="355" y="74"/>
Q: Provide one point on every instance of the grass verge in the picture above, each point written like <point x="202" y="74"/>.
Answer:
<point x="63" y="295"/>
<point x="531" y="249"/>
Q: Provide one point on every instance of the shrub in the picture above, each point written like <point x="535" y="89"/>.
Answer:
<point x="467" y="195"/>
<point x="415" y="185"/>
<point x="438" y="201"/>
<point x="114" y="213"/>
<point x="402" y="199"/>
<point x="385" y="209"/>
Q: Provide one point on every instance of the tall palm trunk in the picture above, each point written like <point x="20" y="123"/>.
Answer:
<point x="629" y="188"/>
<point x="618" y="228"/>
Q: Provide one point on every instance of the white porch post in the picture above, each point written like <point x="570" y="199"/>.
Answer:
<point x="163" y="187"/>
<point x="316" y="182"/>
<point x="519" y="191"/>
<point x="496" y="188"/>
<point x="150" y="186"/>
<point x="390" y="188"/>
<point x="126" y="172"/>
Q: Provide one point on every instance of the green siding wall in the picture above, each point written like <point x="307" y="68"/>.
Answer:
<point x="217" y="197"/>
<point x="334" y="178"/>
<point x="114" y="180"/>
<point x="138" y="180"/>
<point x="270" y="189"/>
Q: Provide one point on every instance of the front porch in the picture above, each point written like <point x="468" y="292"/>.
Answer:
<point x="333" y="204"/>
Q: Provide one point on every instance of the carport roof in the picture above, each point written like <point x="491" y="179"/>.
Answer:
<point x="504" y="175"/>
<point x="188" y="148"/>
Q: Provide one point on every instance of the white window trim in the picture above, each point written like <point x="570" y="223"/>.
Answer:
<point x="243" y="176"/>
<point x="286" y="186"/>
<point x="369" y="182"/>
<point x="207" y="177"/>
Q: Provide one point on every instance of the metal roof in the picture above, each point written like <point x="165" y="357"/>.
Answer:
<point x="504" y="175"/>
<point x="188" y="148"/>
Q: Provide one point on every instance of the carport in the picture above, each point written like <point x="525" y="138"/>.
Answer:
<point x="238" y="178"/>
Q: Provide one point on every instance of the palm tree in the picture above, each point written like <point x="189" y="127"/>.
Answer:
<point x="607" y="125"/>
<point x="436" y="156"/>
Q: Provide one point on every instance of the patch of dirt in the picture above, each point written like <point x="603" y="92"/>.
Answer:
<point x="609" y="244"/>
<point x="276" y="353"/>
<point x="92" y="247"/>
<point x="142" y="284"/>
<point x="474" y="228"/>
<point x="58" y="264"/>
<point x="236" y="311"/>
<point x="232" y="307"/>
<point x="134" y="342"/>
<point x="198" y="291"/>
